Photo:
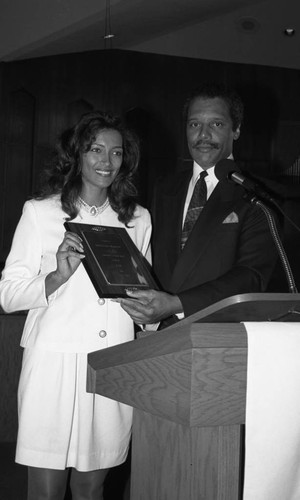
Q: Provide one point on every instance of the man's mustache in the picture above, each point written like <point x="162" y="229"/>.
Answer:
<point x="198" y="144"/>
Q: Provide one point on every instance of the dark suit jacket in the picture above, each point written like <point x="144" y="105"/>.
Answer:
<point x="230" y="250"/>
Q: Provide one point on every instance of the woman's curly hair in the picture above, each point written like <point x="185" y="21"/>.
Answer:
<point x="63" y="175"/>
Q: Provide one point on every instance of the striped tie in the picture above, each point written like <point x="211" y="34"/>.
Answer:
<point x="196" y="205"/>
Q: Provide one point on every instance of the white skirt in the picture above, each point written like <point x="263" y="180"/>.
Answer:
<point x="60" y="424"/>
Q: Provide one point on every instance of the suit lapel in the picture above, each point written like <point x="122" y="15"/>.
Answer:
<point x="174" y="200"/>
<point x="222" y="201"/>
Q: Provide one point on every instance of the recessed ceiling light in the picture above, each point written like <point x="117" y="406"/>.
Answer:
<point x="248" y="25"/>
<point x="289" y="31"/>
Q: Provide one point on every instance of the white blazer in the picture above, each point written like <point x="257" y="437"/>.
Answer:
<point x="73" y="319"/>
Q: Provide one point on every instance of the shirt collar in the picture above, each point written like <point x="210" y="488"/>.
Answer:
<point x="197" y="169"/>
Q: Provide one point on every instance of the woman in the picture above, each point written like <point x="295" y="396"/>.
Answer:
<point x="61" y="426"/>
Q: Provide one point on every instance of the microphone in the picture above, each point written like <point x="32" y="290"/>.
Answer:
<point x="227" y="169"/>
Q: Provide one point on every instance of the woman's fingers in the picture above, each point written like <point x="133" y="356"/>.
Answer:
<point x="72" y="242"/>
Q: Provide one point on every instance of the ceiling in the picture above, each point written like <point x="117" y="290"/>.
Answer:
<point x="243" y="31"/>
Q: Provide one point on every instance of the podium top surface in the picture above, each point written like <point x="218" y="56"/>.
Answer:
<point x="251" y="307"/>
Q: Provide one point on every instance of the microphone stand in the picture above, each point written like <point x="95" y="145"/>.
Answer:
<point x="278" y="243"/>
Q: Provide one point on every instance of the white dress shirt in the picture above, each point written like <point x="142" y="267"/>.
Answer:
<point x="211" y="182"/>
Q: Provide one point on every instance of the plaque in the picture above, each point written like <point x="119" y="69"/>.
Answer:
<point x="112" y="260"/>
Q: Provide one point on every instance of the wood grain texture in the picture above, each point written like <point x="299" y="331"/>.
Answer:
<point x="218" y="386"/>
<point x="18" y="163"/>
<point x="172" y="377"/>
<point x="179" y="337"/>
<point x="11" y="327"/>
<point x="173" y="462"/>
<point x="187" y="385"/>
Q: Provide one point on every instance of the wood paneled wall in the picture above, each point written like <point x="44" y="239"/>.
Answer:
<point x="11" y="326"/>
<point x="41" y="97"/>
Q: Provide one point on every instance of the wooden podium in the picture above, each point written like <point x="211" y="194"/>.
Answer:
<point x="187" y="385"/>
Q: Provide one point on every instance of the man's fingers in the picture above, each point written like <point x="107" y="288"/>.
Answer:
<point x="144" y="296"/>
<point x="134" y="306"/>
<point x="136" y="311"/>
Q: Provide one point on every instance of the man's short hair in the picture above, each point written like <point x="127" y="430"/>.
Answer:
<point x="213" y="90"/>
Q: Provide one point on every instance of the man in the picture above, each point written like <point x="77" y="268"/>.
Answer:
<point x="229" y="250"/>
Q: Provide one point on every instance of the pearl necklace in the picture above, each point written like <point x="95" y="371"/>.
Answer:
<point x="93" y="210"/>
